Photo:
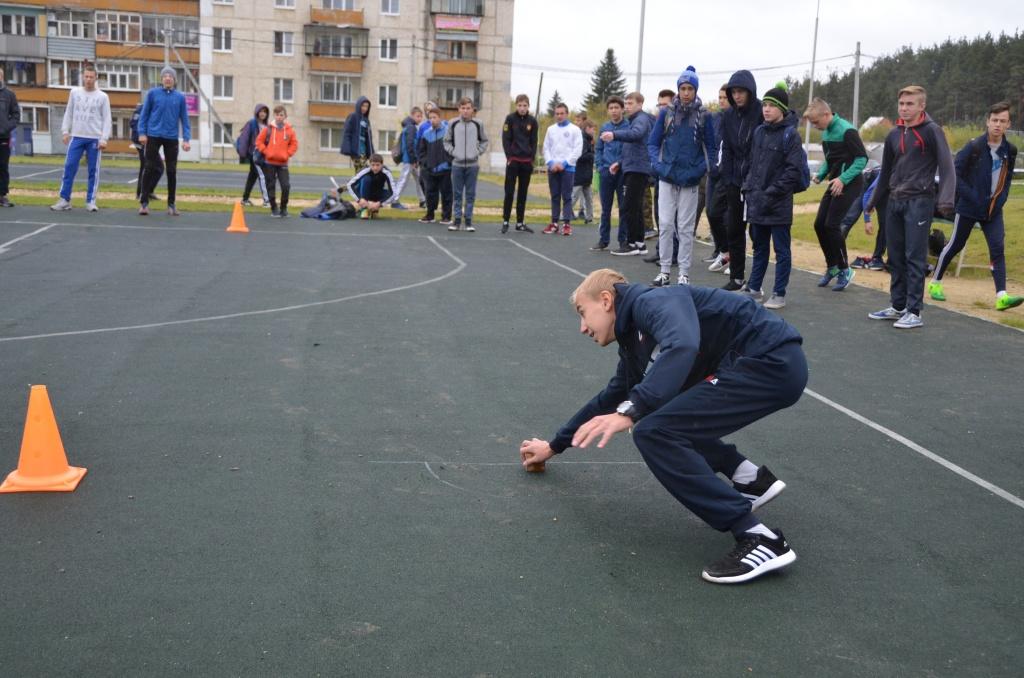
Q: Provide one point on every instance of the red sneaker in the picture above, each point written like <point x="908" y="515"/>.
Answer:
<point x="552" y="229"/>
<point x="566" y="229"/>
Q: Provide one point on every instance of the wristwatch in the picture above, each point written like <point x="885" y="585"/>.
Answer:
<point x="626" y="409"/>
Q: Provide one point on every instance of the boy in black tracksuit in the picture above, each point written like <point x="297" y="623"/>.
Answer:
<point x="738" y="125"/>
<point x="695" y="365"/>
<point x="519" y="140"/>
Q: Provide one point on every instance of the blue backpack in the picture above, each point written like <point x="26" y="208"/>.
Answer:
<point x="805" y="175"/>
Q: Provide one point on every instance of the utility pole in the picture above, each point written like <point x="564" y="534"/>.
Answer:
<point x="856" y="87"/>
<point x="540" y="85"/>
<point x="640" y="48"/>
<point x="814" y="58"/>
<point x="167" y="48"/>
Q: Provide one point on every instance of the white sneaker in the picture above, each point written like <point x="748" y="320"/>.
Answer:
<point x="91" y="206"/>
<point x="775" y="302"/>
<point x="909" y="321"/>
<point x="718" y="264"/>
<point x="61" y="205"/>
<point x="684" y="280"/>
<point x="756" y="295"/>
<point x="725" y="270"/>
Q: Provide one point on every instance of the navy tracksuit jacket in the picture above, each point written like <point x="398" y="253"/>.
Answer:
<point x="698" y="364"/>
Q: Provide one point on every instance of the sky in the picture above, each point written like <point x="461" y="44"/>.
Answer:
<point x="573" y="36"/>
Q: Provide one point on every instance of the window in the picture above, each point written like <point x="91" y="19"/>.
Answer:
<point x="121" y="125"/>
<point x="183" y="30"/>
<point x="330" y="138"/>
<point x="387" y="96"/>
<point x="18" y="24"/>
<point x="116" y="27"/>
<point x="37" y="116"/>
<point x="389" y="49"/>
<point x="223" y="2"/>
<point x="283" y="89"/>
<point x="64" y="73"/>
<point x="151" y="78"/>
<point x="122" y="77"/>
<point x="463" y="7"/>
<point x="70" y="25"/>
<point x="339" y="4"/>
<point x="19" y="72"/>
<point x="221" y="39"/>
<point x="223" y="135"/>
<point x="333" y="88"/>
<point x="283" y="43"/>
<point x="389" y="6"/>
<point x="223" y="87"/>
<point x="284" y="4"/>
<point x="448" y="92"/>
<point x="334" y="46"/>
<point x="456" y="50"/>
<point x="386" y="139"/>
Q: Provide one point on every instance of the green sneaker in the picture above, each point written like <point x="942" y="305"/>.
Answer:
<point x="935" y="291"/>
<point x="1006" y="302"/>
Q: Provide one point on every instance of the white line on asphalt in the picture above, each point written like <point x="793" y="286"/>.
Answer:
<point x="6" y="246"/>
<point x="36" y="174"/>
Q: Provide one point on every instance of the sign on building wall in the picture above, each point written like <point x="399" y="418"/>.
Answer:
<point x="192" y="103"/>
<point x="457" y="23"/>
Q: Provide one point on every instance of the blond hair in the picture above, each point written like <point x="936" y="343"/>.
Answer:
<point x="818" y="106"/>
<point x="601" y="280"/>
<point x="915" y="90"/>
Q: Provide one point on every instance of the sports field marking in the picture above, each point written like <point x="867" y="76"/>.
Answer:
<point x="36" y="174"/>
<point x="924" y="452"/>
<point x="508" y="463"/>
<point x="6" y="246"/>
<point x="244" y="314"/>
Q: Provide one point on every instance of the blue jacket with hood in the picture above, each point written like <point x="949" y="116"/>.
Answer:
<point x="696" y="332"/>
<point x="247" y="140"/>
<point x="353" y="125"/>
<point x="975" y="197"/>
<point x="682" y="143"/>
<point x="634" y="147"/>
<point x="408" y="140"/>
<point x="738" y="125"/>
<point x="162" y="110"/>
<point x="607" y="153"/>
<point x="777" y="171"/>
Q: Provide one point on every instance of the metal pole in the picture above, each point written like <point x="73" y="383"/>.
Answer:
<point x="540" y="85"/>
<point x="856" y="87"/>
<point x="814" y="58"/>
<point x="640" y="48"/>
<point x="167" y="49"/>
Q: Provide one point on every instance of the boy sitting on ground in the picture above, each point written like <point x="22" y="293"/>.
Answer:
<point x="372" y="188"/>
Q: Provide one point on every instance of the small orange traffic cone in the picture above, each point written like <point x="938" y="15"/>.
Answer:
<point x="238" y="220"/>
<point x="42" y="466"/>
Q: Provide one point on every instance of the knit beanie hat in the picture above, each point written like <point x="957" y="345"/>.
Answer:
<point x="167" y="70"/>
<point x="778" y="96"/>
<point x="689" y="76"/>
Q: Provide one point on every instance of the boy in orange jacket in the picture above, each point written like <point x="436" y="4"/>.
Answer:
<point x="277" y="144"/>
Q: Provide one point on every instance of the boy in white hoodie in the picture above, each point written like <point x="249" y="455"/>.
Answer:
<point x="85" y="129"/>
<point x="563" y="146"/>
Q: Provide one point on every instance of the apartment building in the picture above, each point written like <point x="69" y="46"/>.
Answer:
<point x="45" y="43"/>
<point x="317" y="57"/>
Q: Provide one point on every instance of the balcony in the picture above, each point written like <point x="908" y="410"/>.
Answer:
<point x="336" y="17"/>
<point x="13" y="46"/>
<point x="457" y="7"/>
<point x="447" y="92"/>
<point x="119" y="50"/>
<point x="329" y="111"/>
<point x="336" y="50"/>
<point x="455" y="69"/>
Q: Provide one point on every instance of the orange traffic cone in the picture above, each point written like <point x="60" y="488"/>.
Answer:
<point x="42" y="467"/>
<point x="238" y="220"/>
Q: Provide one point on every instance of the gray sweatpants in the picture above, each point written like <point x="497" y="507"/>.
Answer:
<point x="677" y="209"/>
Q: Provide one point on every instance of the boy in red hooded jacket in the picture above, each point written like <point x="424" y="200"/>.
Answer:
<point x="278" y="143"/>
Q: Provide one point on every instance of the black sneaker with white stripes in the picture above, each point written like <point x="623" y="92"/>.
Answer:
<point x="762" y="490"/>
<point x="754" y="555"/>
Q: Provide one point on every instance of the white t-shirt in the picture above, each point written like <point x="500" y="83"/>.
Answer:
<point x="997" y="166"/>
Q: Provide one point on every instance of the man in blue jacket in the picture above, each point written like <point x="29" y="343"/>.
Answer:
<point x="984" y="172"/>
<point x="162" y="111"/>
<point x="608" y="160"/>
<point x="407" y="144"/>
<point x="636" y="168"/>
<point x="695" y="365"/>
<point x="357" y="135"/>
<point x="738" y="125"/>
<point x="681" y="149"/>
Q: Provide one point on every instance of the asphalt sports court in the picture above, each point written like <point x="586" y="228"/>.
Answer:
<point x="302" y="446"/>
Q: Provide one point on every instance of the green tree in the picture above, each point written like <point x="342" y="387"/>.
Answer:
<point x="556" y="99"/>
<point x="607" y="80"/>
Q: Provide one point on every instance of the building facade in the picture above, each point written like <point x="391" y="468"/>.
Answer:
<point x="316" y="57"/>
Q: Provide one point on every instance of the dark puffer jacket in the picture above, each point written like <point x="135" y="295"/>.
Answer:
<point x="778" y="169"/>
<point x="738" y="125"/>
